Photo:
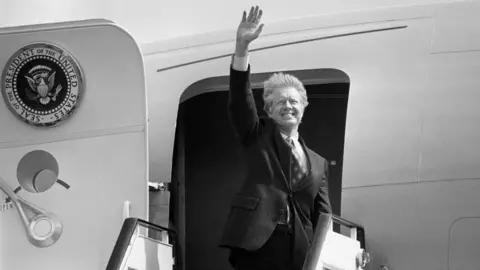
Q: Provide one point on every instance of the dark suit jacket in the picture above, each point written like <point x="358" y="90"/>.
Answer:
<point x="257" y="207"/>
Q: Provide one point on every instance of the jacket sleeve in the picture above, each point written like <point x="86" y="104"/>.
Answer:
<point x="322" y="199"/>
<point x="241" y="105"/>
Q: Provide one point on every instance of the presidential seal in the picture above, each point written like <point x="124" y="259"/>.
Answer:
<point x="42" y="84"/>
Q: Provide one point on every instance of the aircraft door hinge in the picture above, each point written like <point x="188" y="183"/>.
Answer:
<point x="159" y="186"/>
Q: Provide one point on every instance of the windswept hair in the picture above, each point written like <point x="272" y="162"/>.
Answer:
<point x="281" y="80"/>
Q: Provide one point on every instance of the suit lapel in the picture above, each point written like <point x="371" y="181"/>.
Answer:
<point x="309" y="153"/>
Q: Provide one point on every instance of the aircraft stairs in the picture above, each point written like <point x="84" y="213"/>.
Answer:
<point x="142" y="245"/>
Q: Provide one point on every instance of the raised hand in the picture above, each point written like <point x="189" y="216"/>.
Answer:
<point x="248" y="30"/>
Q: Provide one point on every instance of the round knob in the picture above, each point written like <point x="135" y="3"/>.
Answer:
<point x="37" y="171"/>
<point x="42" y="228"/>
<point x="44" y="180"/>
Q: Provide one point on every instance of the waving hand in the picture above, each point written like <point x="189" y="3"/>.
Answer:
<point x="248" y="30"/>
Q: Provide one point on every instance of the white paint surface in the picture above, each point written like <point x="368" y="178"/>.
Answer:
<point x="153" y="20"/>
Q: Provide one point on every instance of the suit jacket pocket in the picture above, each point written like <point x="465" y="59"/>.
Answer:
<point x="245" y="201"/>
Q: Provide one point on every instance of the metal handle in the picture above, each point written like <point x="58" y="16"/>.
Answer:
<point x="40" y="217"/>
<point x="14" y="199"/>
<point x="7" y="190"/>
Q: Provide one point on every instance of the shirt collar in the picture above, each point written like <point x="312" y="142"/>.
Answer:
<point x="294" y="137"/>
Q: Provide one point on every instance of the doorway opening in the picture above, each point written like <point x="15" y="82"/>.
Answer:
<point x="207" y="164"/>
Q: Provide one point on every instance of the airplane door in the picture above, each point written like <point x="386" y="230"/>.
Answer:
<point x="323" y="129"/>
<point x="73" y="143"/>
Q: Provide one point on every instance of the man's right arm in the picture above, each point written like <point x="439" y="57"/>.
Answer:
<point x="242" y="109"/>
<point x="241" y="103"/>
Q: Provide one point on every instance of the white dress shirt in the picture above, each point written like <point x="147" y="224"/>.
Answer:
<point x="240" y="63"/>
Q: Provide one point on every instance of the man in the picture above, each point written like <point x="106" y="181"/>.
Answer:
<point x="273" y="217"/>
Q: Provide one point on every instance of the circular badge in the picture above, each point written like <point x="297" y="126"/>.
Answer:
<point x="42" y="84"/>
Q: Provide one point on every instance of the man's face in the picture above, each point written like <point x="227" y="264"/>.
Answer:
<point x="287" y="107"/>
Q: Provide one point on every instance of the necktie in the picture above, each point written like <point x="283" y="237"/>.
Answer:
<point x="297" y="171"/>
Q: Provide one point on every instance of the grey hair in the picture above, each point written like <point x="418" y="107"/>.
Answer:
<point x="280" y="80"/>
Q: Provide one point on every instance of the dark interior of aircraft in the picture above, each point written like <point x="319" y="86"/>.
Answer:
<point x="212" y="167"/>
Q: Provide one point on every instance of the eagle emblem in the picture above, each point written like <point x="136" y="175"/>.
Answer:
<point x="41" y="80"/>
<point x="42" y="84"/>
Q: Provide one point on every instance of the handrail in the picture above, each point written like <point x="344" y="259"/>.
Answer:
<point x="345" y="222"/>
<point x="360" y="234"/>
<point x="313" y="254"/>
<point x="321" y="230"/>
<point x="123" y="241"/>
<point x="130" y="225"/>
